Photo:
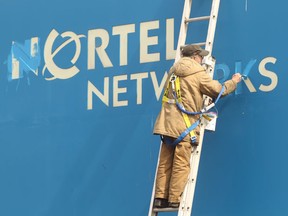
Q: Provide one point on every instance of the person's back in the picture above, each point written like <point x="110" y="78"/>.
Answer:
<point x="170" y="121"/>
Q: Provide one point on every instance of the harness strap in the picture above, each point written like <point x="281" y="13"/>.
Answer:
<point x="220" y="94"/>
<point x="169" y="141"/>
<point x="188" y="125"/>
<point x="178" y="100"/>
<point x="186" y="132"/>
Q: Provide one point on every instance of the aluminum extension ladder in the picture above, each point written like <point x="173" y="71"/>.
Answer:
<point x="186" y="203"/>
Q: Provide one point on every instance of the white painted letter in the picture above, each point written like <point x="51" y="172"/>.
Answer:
<point x="146" y="41"/>
<point x="158" y="89"/>
<point x="267" y="73"/>
<point x="56" y="71"/>
<point x="92" y="36"/>
<point x="117" y="91"/>
<point x="139" y="77"/>
<point x="123" y="31"/>
<point x="170" y="52"/>
<point x="103" y="97"/>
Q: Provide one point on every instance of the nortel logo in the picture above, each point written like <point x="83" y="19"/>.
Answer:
<point x="27" y="58"/>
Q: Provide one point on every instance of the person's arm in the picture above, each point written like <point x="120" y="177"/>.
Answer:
<point x="212" y="88"/>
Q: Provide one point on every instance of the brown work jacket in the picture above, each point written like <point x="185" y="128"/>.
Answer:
<point x="194" y="83"/>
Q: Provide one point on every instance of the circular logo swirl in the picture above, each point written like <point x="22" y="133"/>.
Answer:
<point x="49" y="54"/>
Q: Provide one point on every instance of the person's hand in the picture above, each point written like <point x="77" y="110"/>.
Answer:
<point x="237" y="77"/>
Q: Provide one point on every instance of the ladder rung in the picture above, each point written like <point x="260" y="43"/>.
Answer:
<point x="197" y="19"/>
<point x="165" y="209"/>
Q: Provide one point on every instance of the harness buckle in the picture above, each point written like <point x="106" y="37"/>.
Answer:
<point x="173" y="78"/>
<point x="205" y="109"/>
<point x="193" y="139"/>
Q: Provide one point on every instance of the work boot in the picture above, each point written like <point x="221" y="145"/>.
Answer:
<point x="160" y="203"/>
<point x="173" y="205"/>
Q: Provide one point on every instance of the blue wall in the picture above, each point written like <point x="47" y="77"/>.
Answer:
<point x="76" y="123"/>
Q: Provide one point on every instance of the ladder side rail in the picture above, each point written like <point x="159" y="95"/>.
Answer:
<point x="208" y="60"/>
<point x="151" y="212"/>
<point x="185" y="208"/>
<point x="189" y="191"/>
<point x="188" y="194"/>
<point x="211" y="31"/>
<point x="183" y="28"/>
<point x="186" y="204"/>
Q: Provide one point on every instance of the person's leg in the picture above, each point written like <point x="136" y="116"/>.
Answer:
<point x="164" y="171"/>
<point x="180" y="171"/>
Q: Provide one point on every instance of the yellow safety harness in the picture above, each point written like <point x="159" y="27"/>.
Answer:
<point x="175" y="83"/>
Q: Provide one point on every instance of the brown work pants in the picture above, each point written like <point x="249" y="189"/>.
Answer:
<point x="173" y="171"/>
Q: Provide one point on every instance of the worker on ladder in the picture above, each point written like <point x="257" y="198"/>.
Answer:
<point x="186" y="84"/>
